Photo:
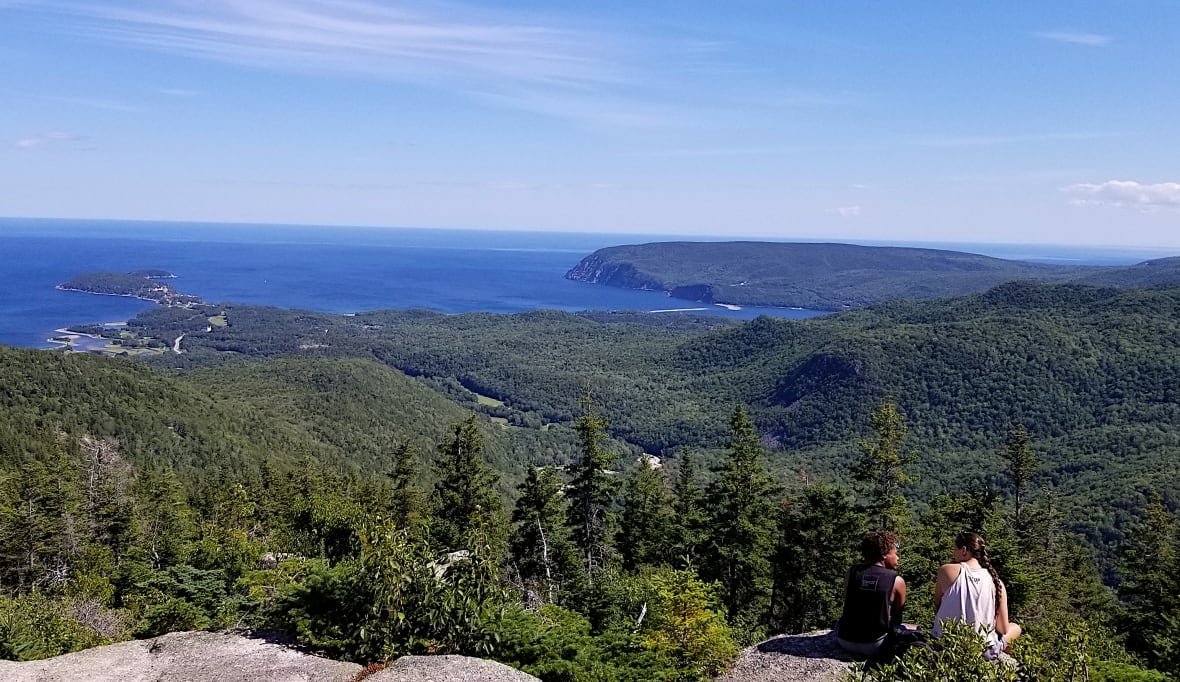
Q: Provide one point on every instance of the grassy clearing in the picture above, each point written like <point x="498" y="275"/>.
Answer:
<point x="488" y="401"/>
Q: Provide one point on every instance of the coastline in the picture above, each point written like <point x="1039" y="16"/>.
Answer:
<point x="59" y="287"/>
<point x="71" y="337"/>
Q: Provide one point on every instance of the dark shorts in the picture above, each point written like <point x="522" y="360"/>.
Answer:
<point x="862" y="648"/>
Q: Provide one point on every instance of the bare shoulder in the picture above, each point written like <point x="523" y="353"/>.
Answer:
<point x="949" y="570"/>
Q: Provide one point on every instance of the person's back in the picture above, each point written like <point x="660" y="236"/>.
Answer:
<point x="874" y="596"/>
<point x="867" y="604"/>
<point x="971" y="598"/>
<point x="970" y="590"/>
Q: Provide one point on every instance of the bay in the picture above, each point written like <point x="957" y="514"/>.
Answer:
<point x="341" y="270"/>
<point x="347" y="270"/>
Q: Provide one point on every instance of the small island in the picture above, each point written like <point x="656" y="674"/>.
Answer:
<point x="141" y="284"/>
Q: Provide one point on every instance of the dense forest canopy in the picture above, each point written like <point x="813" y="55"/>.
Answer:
<point x="1090" y="372"/>
<point x="310" y="450"/>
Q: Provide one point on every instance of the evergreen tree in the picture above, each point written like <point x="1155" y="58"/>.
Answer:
<point x="881" y="469"/>
<point x="165" y="528"/>
<point x="819" y="531"/>
<point x="405" y="503"/>
<point x="467" y="509"/>
<point x="741" y="525"/>
<point x="541" y="549"/>
<point x="1149" y="575"/>
<point x="590" y="493"/>
<point x="689" y="531"/>
<point x="1021" y="465"/>
<point x="646" y="527"/>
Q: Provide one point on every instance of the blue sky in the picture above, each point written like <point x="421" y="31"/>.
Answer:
<point x="1051" y="122"/>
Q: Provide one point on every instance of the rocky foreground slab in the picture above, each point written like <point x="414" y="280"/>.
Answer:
<point x="812" y="656"/>
<point x="225" y="657"/>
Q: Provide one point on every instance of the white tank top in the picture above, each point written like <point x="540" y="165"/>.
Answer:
<point x="972" y="599"/>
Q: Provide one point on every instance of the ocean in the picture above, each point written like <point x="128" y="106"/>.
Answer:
<point x="345" y="270"/>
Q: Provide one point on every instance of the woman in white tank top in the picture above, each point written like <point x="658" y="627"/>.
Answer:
<point x="970" y="590"/>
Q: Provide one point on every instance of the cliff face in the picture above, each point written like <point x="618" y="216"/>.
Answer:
<point x="599" y="269"/>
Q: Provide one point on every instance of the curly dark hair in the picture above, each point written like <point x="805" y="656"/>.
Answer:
<point x="876" y="544"/>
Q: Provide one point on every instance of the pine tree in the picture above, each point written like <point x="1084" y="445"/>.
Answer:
<point x="542" y="552"/>
<point x="818" y="533"/>
<point x="405" y="503"/>
<point x="645" y="532"/>
<point x="467" y="509"/>
<point x="1150" y="574"/>
<point x="741" y="525"/>
<point x="165" y="529"/>
<point x="881" y="469"/>
<point x="590" y="493"/>
<point x="1021" y="465"/>
<point x="689" y="530"/>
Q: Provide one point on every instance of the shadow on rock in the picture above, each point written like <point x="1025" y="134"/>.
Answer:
<point x="808" y="645"/>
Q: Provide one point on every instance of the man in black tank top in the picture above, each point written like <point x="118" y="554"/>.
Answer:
<point x="874" y="596"/>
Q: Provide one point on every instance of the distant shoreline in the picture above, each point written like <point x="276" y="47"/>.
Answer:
<point x="60" y="287"/>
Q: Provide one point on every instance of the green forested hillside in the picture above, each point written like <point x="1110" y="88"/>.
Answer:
<point x="1090" y="372"/>
<point x="347" y="414"/>
<point x="312" y="473"/>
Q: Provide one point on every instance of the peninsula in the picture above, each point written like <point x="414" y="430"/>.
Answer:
<point x="141" y="284"/>
<point x="832" y="277"/>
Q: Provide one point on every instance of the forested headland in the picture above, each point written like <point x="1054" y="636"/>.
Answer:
<point x="833" y="276"/>
<point x="404" y="481"/>
<point x="142" y="284"/>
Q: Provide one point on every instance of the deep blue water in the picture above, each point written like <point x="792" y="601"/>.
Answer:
<point x="341" y="269"/>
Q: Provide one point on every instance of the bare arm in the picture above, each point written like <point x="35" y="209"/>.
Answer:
<point x="898" y="600"/>
<point x="1002" y="611"/>
<point x="947" y="574"/>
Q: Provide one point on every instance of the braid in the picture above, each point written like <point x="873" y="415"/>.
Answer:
<point x="980" y="555"/>
<point x="973" y="543"/>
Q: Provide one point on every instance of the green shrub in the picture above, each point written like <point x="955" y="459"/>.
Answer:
<point x="686" y="624"/>
<point x="34" y="626"/>
<point x="1110" y="671"/>
<point x="556" y="645"/>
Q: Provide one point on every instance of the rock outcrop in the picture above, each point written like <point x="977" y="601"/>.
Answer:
<point x="184" y="657"/>
<point x="813" y="656"/>
<point x="448" y="669"/>
<point x="225" y="657"/>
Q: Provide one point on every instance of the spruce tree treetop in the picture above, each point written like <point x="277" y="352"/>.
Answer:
<point x="467" y="509"/>
<point x="882" y="469"/>
<point x="741" y="524"/>
<point x="591" y="493"/>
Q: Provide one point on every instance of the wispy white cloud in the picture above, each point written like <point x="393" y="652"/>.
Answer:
<point x="179" y="92"/>
<point x="396" y="40"/>
<point x="710" y="152"/>
<point x="992" y="140"/>
<point x="95" y="103"/>
<point x="1076" y="38"/>
<point x="845" y="211"/>
<point x="528" y="61"/>
<point x="52" y="138"/>
<point x="1145" y="198"/>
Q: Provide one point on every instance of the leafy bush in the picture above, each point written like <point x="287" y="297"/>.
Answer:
<point x="1110" y="671"/>
<point x="556" y="645"/>
<point x="34" y="626"/>
<point x="686" y="625"/>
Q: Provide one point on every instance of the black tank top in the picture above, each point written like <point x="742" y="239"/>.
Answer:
<point x="867" y="605"/>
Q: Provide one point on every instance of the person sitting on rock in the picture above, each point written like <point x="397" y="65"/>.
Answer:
<point x="874" y="596"/>
<point x="971" y="590"/>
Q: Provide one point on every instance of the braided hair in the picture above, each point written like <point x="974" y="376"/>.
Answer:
<point x="976" y="547"/>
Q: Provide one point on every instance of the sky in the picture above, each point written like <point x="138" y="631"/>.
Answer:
<point x="1006" y="122"/>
